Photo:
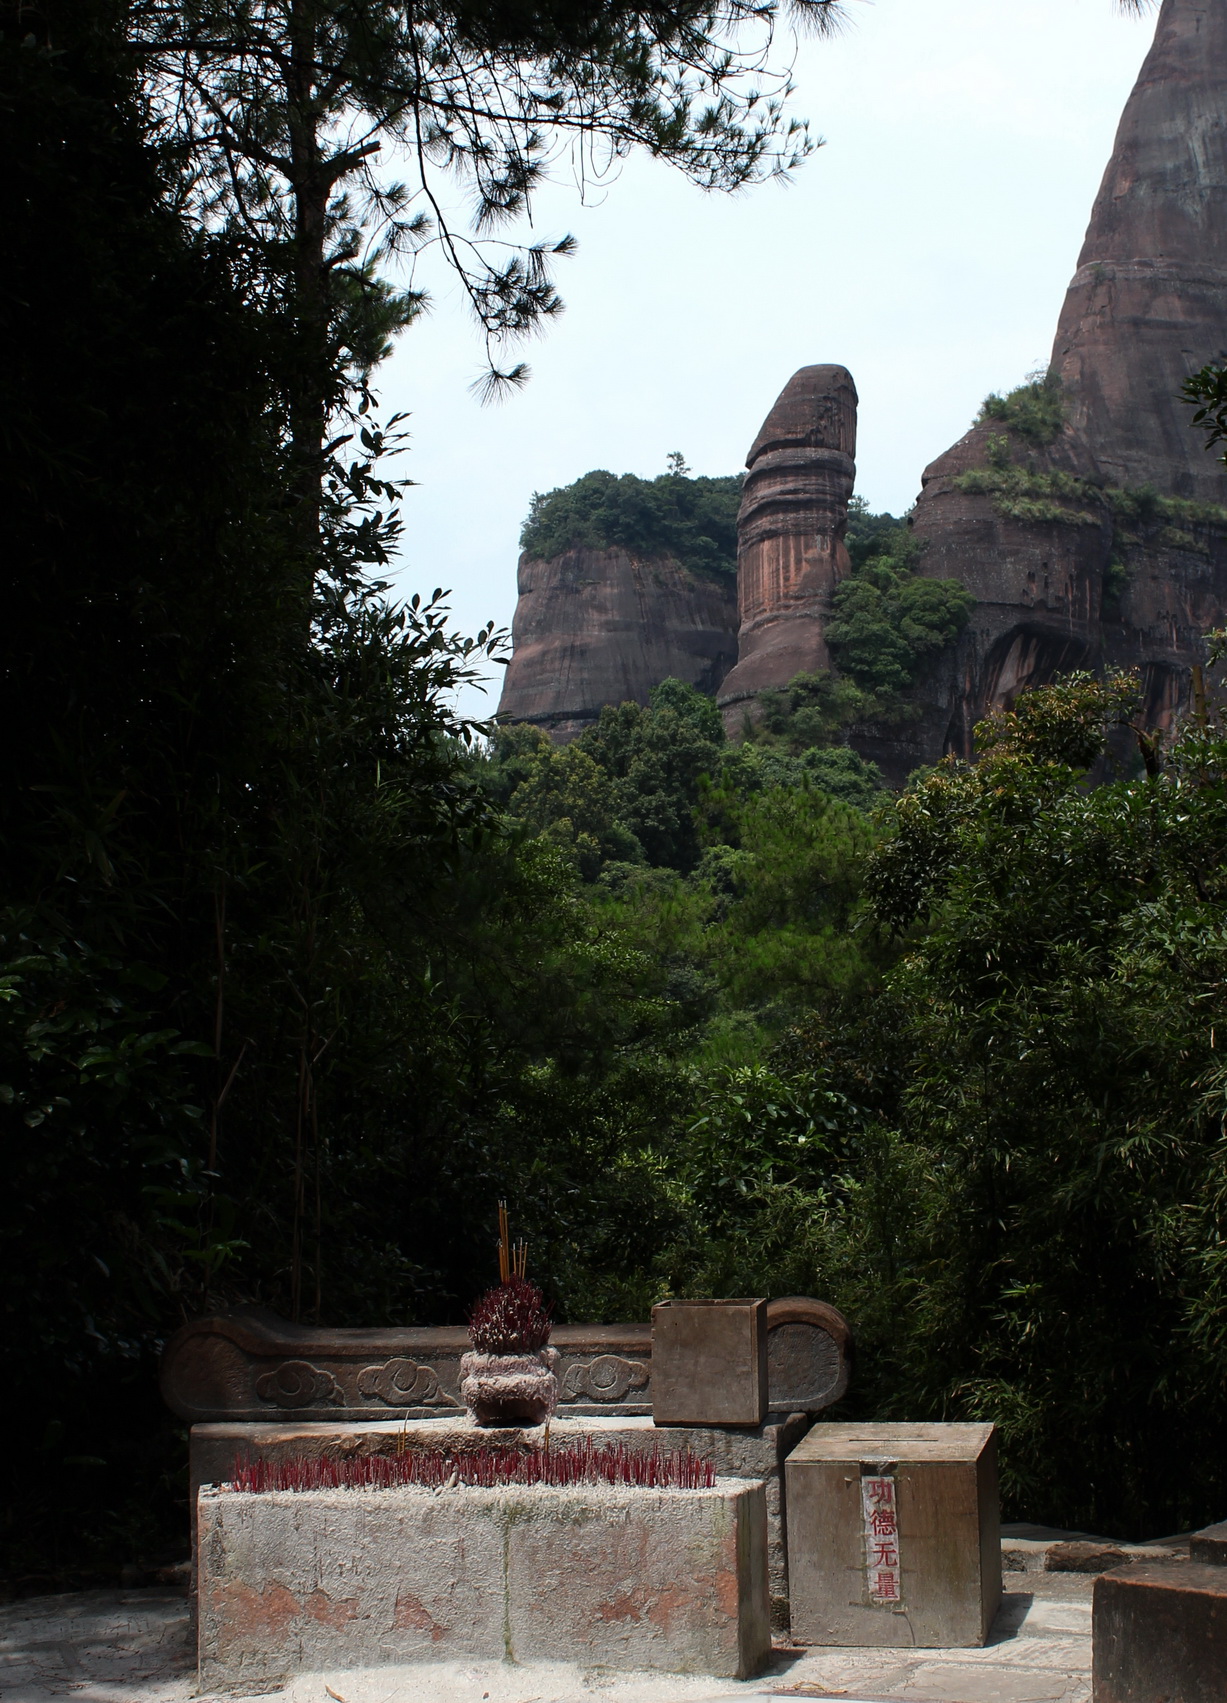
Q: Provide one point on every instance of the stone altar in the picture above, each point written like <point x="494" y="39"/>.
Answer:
<point x="252" y="1365"/>
<point x="616" y="1576"/>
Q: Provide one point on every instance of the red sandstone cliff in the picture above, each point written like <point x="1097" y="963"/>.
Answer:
<point x="1104" y="543"/>
<point x="596" y="627"/>
<point x="1072" y="562"/>
<point x="1148" y="303"/>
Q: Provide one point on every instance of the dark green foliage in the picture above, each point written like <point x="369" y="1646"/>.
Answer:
<point x="146" y="612"/>
<point x="230" y="800"/>
<point x="635" y="790"/>
<point x="812" y="711"/>
<point x="1207" y="391"/>
<point x="888" y="621"/>
<point x="1021" y="493"/>
<point x="871" y="536"/>
<point x="1035" y="410"/>
<point x="693" y="520"/>
<point x="656" y="758"/>
<point x="295" y="988"/>
<point x="844" y="774"/>
<point x="624" y="791"/>
<point x="1013" y="1142"/>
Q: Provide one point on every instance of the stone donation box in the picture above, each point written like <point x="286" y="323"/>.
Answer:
<point x="893" y="1535"/>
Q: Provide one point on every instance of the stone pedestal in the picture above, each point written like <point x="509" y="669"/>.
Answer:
<point x="1159" y="1635"/>
<point x="893" y="1535"/>
<point x="609" y="1576"/>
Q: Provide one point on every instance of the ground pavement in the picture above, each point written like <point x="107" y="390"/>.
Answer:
<point x="133" y="1647"/>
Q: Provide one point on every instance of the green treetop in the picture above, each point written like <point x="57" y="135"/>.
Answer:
<point x="691" y="519"/>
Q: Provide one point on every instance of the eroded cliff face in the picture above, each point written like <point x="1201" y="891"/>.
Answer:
<point x="1098" y="540"/>
<point x="1146" y="305"/>
<point x="790" y="531"/>
<point x="596" y="627"/>
<point x="1068" y="572"/>
<point x="1106" y="545"/>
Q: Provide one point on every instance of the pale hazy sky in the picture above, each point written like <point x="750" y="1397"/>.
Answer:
<point x="926" y="246"/>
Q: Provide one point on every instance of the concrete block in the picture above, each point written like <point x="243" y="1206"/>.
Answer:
<point x="758" y="1454"/>
<point x="1159" y="1635"/>
<point x="709" y="1362"/>
<point x="300" y="1582"/>
<point x="893" y="1535"/>
<point x="1210" y="1545"/>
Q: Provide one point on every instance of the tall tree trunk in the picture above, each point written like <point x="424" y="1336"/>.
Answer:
<point x="309" y="378"/>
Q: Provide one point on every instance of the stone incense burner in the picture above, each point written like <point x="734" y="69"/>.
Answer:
<point x="509" y="1377"/>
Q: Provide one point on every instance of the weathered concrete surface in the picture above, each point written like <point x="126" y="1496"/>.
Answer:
<point x="1082" y="1555"/>
<point x="790" y="535"/>
<point x="1209" y="1545"/>
<point x="709" y="1362"/>
<point x="596" y="627"/>
<point x="1160" y="1635"/>
<point x="943" y="1531"/>
<point x="134" y="1647"/>
<point x="625" y="1578"/>
<point x="757" y="1455"/>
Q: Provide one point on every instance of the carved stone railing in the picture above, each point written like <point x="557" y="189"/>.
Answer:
<point x="253" y="1365"/>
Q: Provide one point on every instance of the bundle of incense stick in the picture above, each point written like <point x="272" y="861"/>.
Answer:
<point x="512" y="1261"/>
<point x="487" y="1468"/>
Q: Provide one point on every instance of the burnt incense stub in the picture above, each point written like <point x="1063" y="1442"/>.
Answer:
<point x="709" y="1362"/>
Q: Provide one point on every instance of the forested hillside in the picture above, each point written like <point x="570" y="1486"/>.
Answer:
<point x="300" y="975"/>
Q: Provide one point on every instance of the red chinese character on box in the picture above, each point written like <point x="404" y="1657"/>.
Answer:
<point x="885" y="1554"/>
<point x="882" y="1523"/>
<point x="886" y="1586"/>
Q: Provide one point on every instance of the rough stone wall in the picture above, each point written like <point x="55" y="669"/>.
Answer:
<point x="790" y="534"/>
<point x="596" y="627"/>
<point x="1094" y="572"/>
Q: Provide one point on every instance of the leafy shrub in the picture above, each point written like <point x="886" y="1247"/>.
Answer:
<point x="887" y="621"/>
<point x="693" y="520"/>
<point x="1035" y="410"/>
<point x="1021" y="493"/>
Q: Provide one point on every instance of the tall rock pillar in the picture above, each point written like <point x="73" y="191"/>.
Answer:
<point x="1147" y="304"/>
<point x="1103" y="544"/>
<point x="790" y="535"/>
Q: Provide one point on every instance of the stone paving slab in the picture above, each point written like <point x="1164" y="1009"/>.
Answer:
<point x="134" y="1647"/>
